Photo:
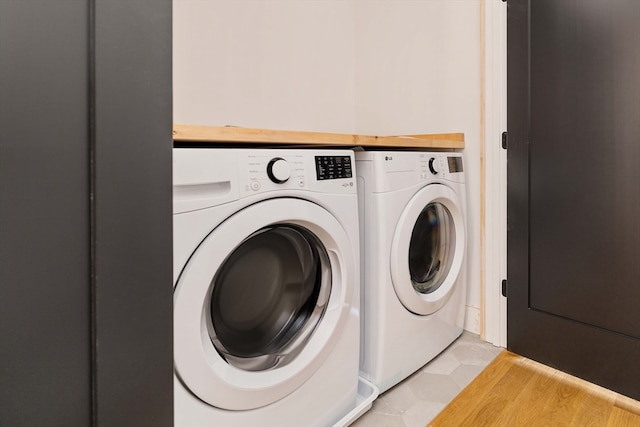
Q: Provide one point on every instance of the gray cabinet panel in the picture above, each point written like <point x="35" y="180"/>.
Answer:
<point x="573" y="201"/>
<point x="133" y="244"/>
<point x="45" y="316"/>
<point x="85" y="213"/>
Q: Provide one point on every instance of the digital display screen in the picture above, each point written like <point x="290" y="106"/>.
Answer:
<point x="455" y="164"/>
<point x="333" y="167"/>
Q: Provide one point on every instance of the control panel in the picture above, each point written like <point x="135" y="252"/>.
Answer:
<point x="333" y="167"/>
<point x="270" y="170"/>
<point x="443" y="165"/>
<point x="455" y="164"/>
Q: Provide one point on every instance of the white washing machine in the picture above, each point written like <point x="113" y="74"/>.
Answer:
<point x="412" y="221"/>
<point x="266" y="276"/>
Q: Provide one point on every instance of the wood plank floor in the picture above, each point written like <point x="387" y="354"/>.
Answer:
<point x="516" y="391"/>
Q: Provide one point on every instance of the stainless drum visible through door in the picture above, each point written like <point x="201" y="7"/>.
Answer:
<point x="268" y="297"/>
<point x="427" y="251"/>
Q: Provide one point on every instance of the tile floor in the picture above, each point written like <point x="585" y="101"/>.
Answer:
<point x="418" y="399"/>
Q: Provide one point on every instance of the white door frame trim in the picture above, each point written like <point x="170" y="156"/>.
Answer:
<point x="495" y="189"/>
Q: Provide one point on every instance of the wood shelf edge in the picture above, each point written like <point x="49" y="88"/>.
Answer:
<point x="213" y="134"/>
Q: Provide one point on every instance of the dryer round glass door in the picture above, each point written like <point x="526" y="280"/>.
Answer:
<point x="261" y="303"/>
<point x="431" y="248"/>
<point x="268" y="297"/>
<point x="428" y="248"/>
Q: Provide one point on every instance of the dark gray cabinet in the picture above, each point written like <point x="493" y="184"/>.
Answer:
<point x="85" y="213"/>
<point x="573" y="200"/>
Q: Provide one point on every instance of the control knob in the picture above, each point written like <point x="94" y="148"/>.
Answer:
<point x="278" y="170"/>
<point x="433" y="166"/>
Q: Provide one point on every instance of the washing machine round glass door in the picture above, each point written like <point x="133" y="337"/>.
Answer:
<point x="427" y="250"/>
<point x="261" y="302"/>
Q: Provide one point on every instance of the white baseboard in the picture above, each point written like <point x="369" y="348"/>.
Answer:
<point x="472" y="319"/>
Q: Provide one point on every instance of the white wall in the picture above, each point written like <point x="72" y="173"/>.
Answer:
<point x="352" y="66"/>
<point x="266" y="64"/>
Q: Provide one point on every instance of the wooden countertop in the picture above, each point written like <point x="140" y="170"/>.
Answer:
<point x="218" y="134"/>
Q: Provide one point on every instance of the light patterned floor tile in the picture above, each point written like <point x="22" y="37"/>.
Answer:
<point x="418" y="399"/>
<point x="444" y="364"/>
<point x="434" y="388"/>
<point x="415" y="416"/>
<point x="465" y="374"/>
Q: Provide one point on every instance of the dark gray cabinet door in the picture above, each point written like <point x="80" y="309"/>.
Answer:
<point x="85" y="213"/>
<point x="132" y="220"/>
<point x="574" y="187"/>
<point x="45" y="316"/>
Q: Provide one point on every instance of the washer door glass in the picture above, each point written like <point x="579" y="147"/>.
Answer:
<point x="268" y="297"/>
<point x="262" y="301"/>
<point x="428" y="249"/>
<point x="431" y="248"/>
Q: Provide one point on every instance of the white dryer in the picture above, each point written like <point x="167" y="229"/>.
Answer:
<point x="266" y="286"/>
<point x="412" y="223"/>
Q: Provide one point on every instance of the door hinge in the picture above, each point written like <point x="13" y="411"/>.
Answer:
<point x="504" y="288"/>
<point x="504" y="140"/>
